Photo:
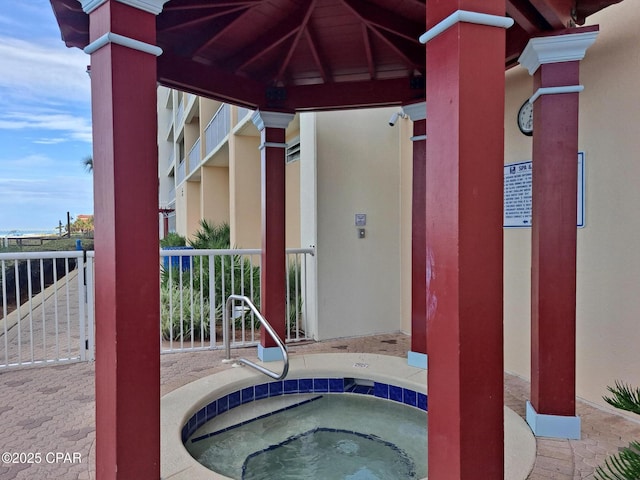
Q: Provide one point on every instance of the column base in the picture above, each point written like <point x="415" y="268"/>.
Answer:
<point x="554" y="426"/>
<point x="418" y="360"/>
<point x="269" y="354"/>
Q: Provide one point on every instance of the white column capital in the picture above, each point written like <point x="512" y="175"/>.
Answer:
<point x="151" y="6"/>
<point x="556" y="49"/>
<point x="271" y="119"/>
<point x="416" y="111"/>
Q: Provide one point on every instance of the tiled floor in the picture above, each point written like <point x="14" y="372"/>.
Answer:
<point x="51" y="409"/>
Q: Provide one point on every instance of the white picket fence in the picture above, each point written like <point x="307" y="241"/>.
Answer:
<point x="47" y="302"/>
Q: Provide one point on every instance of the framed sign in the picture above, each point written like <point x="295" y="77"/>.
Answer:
<point x="517" y="194"/>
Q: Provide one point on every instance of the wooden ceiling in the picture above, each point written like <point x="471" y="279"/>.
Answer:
<point x="310" y="54"/>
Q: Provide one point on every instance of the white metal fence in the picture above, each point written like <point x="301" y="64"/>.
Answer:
<point x="195" y="285"/>
<point x="47" y="302"/>
<point x="44" y="317"/>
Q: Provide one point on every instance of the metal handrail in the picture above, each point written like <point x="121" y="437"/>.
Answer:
<point x="268" y="328"/>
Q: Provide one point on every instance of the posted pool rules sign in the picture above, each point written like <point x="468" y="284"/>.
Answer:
<point x="517" y="193"/>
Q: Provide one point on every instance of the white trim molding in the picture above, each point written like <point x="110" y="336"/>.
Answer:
<point x="555" y="90"/>
<point x="553" y="426"/>
<point x="416" y="111"/>
<point x="151" y="6"/>
<point x="271" y="119"/>
<point x="467" y="17"/>
<point x="418" y="360"/>
<point x="272" y="144"/>
<point x="124" y="41"/>
<point x="569" y="47"/>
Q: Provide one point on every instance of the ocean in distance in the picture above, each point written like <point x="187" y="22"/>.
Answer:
<point x="21" y="233"/>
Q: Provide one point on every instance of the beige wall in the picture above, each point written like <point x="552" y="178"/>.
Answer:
<point x="292" y="192"/>
<point x="608" y="302"/>
<point x="188" y="208"/>
<point x="244" y="191"/>
<point x="358" y="171"/>
<point x="214" y="194"/>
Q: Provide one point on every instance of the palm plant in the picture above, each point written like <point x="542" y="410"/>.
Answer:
<point x="626" y="464"/>
<point x="232" y="274"/>
<point x="212" y="236"/>
<point x="88" y="163"/>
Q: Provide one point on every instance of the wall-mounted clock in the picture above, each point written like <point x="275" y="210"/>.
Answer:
<point x="525" y="118"/>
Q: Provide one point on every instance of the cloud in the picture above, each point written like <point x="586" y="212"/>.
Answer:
<point x="41" y="191"/>
<point x="34" y="71"/>
<point x="50" y="141"/>
<point x="78" y="128"/>
<point x="28" y="163"/>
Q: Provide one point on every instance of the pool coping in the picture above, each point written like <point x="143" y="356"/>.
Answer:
<point x="178" y="406"/>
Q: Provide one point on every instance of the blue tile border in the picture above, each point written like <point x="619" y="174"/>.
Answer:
<point x="322" y="385"/>
<point x="217" y="432"/>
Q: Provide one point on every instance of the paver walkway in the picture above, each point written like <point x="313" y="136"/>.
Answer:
<point x="49" y="411"/>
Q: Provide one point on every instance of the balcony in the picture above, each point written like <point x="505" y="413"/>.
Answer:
<point x="182" y="172"/>
<point x="217" y="129"/>
<point x="194" y="156"/>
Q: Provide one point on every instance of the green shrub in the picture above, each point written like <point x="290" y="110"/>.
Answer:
<point x="178" y="308"/>
<point x="173" y="239"/>
<point x="233" y="274"/>
<point x="626" y="464"/>
<point x="295" y="303"/>
<point x="211" y="236"/>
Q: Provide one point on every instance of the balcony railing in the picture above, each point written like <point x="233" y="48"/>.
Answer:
<point x="194" y="156"/>
<point x="181" y="174"/>
<point x="242" y="112"/>
<point x="180" y="113"/>
<point x="171" y="195"/>
<point x="217" y="129"/>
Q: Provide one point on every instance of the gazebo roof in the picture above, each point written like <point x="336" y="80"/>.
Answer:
<point x="310" y="54"/>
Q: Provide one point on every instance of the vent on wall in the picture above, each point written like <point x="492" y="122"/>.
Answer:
<point x="293" y="150"/>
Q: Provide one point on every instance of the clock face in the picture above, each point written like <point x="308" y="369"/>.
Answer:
<point x="525" y="118"/>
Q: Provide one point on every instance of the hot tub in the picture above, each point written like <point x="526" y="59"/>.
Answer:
<point x="221" y="398"/>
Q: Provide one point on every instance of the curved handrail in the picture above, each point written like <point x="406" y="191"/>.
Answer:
<point x="268" y="328"/>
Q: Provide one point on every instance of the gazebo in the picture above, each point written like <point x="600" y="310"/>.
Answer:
<point x="279" y="57"/>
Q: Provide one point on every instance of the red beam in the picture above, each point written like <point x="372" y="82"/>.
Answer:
<point x="352" y="94"/>
<point x="556" y="12"/>
<point x="465" y="162"/>
<point x="183" y="74"/>
<point x="527" y="17"/>
<point x="419" y="242"/>
<point x="123" y="84"/>
<point x="553" y="242"/>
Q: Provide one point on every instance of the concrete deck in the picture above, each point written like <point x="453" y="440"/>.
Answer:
<point x="51" y="409"/>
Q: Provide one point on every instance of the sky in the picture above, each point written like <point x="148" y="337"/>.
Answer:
<point x="45" y="120"/>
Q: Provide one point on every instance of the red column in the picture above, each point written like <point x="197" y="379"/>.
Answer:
<point x="123" y="84"/>
<point x="272" y="126"/>
<point x="554" y="232"/>
<point x="464" y="171"/>
<point x="418" y="354"/>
